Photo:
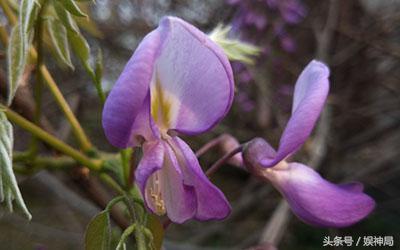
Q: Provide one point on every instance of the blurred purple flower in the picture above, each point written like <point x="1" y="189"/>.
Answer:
<point x="288" y="44"/>
<point x="177" y="81"/>
<point x="265" y="20"/>
<point x="292" y="11"/>
<point x="312" y="198"/>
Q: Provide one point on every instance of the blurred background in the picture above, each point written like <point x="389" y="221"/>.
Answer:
<point x="357" y="138"/>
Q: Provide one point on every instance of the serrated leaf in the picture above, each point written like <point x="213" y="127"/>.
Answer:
<point x="9" y="190"/>
<point x="66" y="18"/>
<point x="16" y="57"/>
<point x="97" y="235"/>
<point x="58" y="35"/>
<point x="73" y="8"/>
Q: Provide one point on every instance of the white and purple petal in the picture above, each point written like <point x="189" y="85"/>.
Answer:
<point x="151" y="162"/>
<point x="317" y="201"/>
<point x="179" y="197"/>
<point x="161" y="182"/>
<point x="196" y="75"/>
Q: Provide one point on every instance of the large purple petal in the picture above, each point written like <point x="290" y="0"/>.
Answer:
<point x="179" y="198"/>
<point x="211" y="202"/>
<point x="127" y="97"/>
<point x="310" y="94"/>
<point x="196" y="75"/>
<point x="317" y="201"/>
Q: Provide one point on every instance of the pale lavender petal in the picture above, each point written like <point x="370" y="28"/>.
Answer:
<point x="317" y="201"/>
<point x="211" y="202"/>
<point x="127" y="97"/>
<point x="196" y="74"/>
<point x="310" y="93"/>
<point x="152" y="161"/>
<point x="179" y="197"/>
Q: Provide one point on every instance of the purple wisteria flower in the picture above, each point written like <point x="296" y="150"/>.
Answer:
<point x="313" y="199"/>
<point x="177" y="82"/>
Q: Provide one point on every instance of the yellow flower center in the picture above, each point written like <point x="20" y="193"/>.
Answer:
<point x="161" y="105"/>
<point x="155" y="194"/>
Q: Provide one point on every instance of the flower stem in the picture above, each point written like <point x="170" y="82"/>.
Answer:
<point x="76" y="127"/>
<point x="222" y="160"/>
<point x="133" y="211"/>
<point x="209" y="145"/>
<point x="38" y="85"/>
<point x="59" y="145"/>
<point x="111" y="183"/>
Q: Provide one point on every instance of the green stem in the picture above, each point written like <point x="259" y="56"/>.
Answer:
<point x="24" y="164"/>
<point x="38" y="86"/>
<point x="111" y="183"/>
<point x="126" y="155"/>
<point x="59" y="145"/>
<point x="132" y="209"/>
<point x="113" y="202"/>
<point x="48" y="79"/>
<point x="76" y="127"/>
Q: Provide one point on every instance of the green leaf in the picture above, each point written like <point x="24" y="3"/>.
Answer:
<point x="81" y="49"/>
<point x="58" y="34"/>
<point x="20" y="41"/>
<point x="16" y="57"/>
<point x="73" y="8"/>
<point x="29" y="10"/>
<point x="9" y="190"/>
<point x="66" y="18"/>
<point x="97" y="235"/>
<point x="128" y="231"/>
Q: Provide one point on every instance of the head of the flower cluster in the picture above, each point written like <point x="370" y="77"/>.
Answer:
<point x="178" y="81"/>
<point x="313" y="199"/>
